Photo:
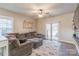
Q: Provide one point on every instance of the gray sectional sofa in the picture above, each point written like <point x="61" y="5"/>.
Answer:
<point x="23" y="43"/>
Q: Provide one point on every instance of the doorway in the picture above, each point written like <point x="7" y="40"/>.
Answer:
<point x="52" y="30"/>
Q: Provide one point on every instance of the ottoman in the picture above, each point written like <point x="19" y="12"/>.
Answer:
<point x="37" y="42"/>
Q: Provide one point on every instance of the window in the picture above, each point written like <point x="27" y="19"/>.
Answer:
<point x="5" y="26"/>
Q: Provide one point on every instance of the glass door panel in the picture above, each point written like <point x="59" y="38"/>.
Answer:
<point x="55" y="31"/>
<point x="48" y="31"/>
<point x="52" y="31"/>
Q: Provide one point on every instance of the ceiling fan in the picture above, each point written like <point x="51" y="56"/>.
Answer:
<point x="41" y="13"/>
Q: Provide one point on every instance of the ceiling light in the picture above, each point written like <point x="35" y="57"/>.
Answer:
<point x="40" y="15"/>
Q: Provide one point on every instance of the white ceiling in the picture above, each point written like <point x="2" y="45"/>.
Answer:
<point x="30" y="9"/>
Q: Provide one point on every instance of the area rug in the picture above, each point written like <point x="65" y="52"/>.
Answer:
<point x="55" y="48"/>
<point x="47" y="49"/>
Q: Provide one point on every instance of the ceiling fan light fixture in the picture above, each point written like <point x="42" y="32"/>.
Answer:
<point x="40" y="15"/>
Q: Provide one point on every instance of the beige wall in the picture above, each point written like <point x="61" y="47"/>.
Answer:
<point x="65" y="26"/>
<point x="17" y="20"/>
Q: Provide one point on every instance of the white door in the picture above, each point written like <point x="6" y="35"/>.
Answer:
<point x="48" y="31"/>
<point x="55" y="27"/>
<point x="52" y="31"/>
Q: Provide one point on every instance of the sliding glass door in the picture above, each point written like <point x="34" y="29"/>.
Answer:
<point x="48" y="31"/>
<point x="52" y="31"/>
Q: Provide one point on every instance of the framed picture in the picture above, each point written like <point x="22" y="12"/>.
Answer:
<point x="27" y="24"/>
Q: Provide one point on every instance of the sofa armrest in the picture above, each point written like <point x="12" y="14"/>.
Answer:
<point x="13" y="44"/>
<point x="22" y="49"/>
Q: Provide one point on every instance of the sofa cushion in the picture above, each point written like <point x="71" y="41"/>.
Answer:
<point x="21" y="38"/>
<point x="35" y="39"/>
<point x="29" y="36"/>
